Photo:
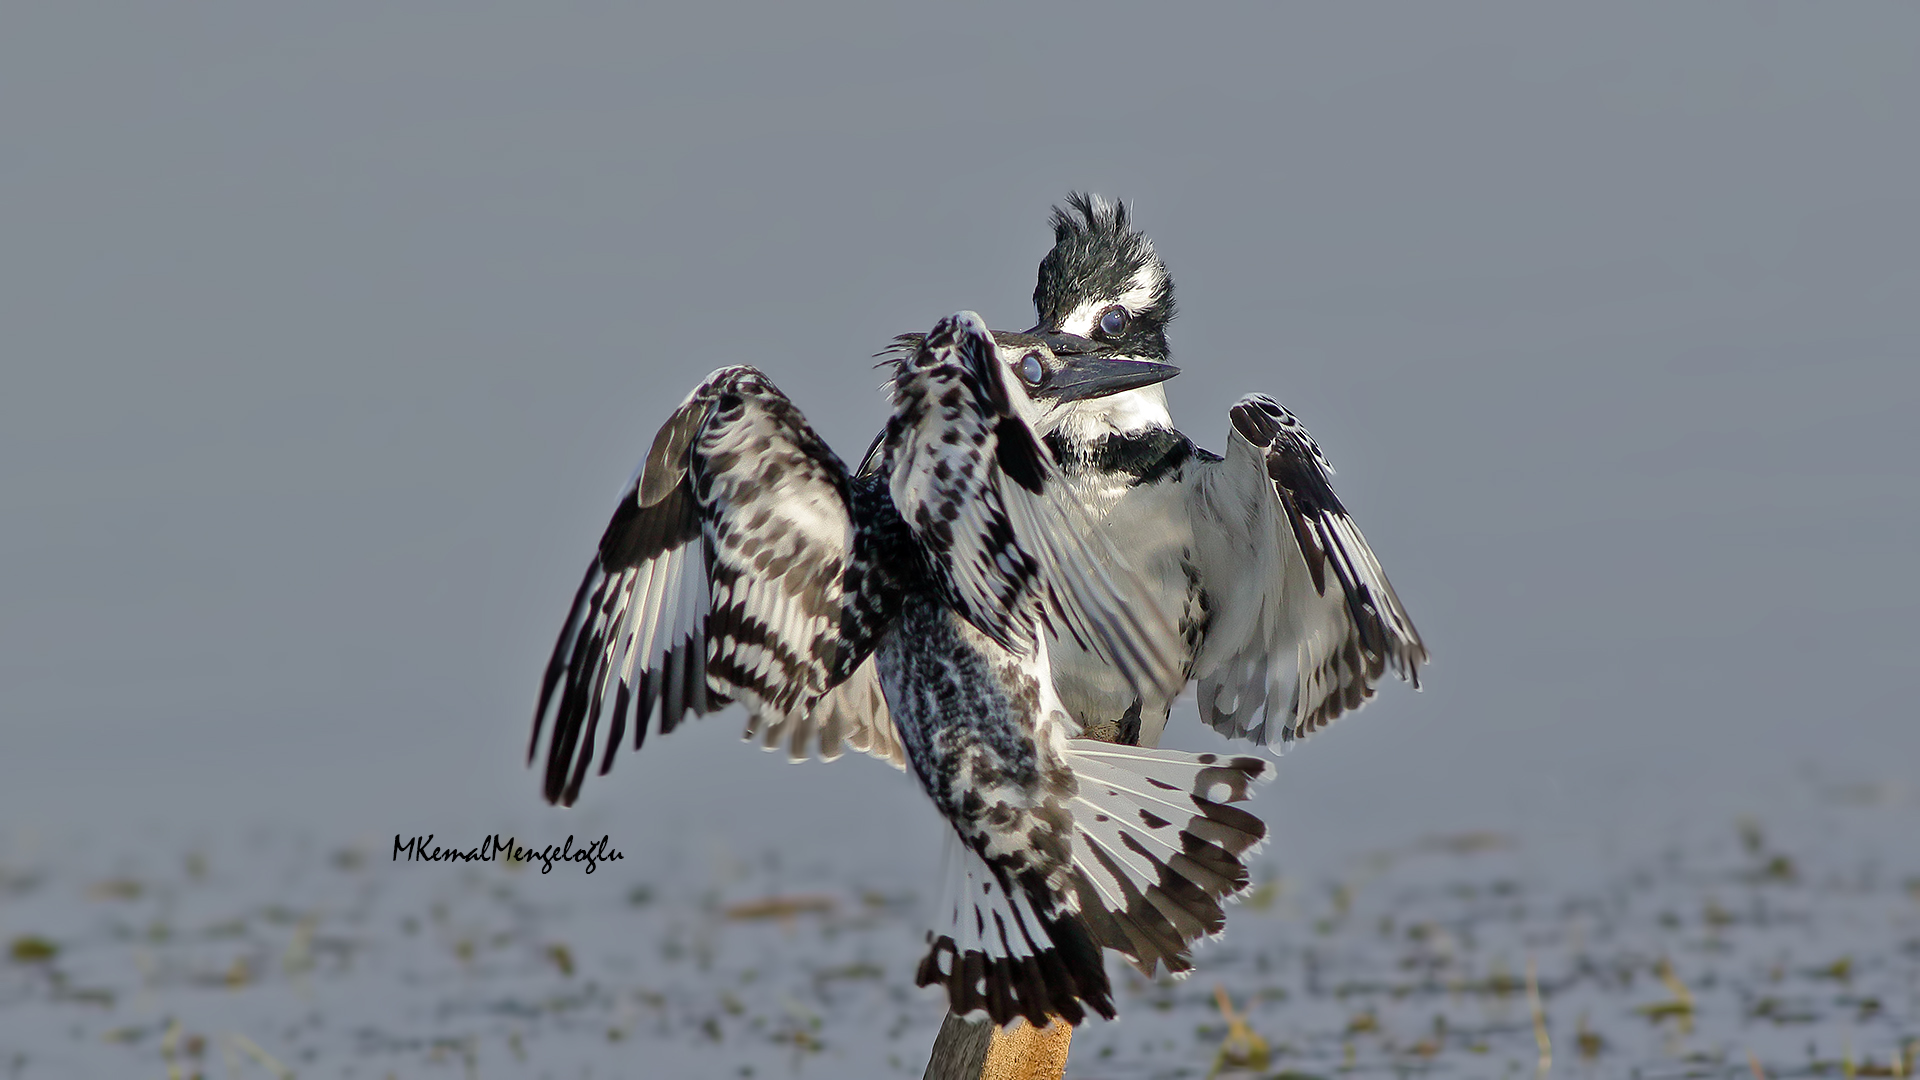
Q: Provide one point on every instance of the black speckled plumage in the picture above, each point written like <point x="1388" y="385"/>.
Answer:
<point x="732" y="570"/>
<point x="906" y="611"/>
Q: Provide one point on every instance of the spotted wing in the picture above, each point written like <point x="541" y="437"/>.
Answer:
<point x="729" y="572"/>
<point x="1305" y="622"/>
<point x="987" y="504"/>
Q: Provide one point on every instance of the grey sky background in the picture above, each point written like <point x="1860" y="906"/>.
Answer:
<point x="329" y="335"/>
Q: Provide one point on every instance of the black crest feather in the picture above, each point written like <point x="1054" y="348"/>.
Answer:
<point x="1096" y="253"/>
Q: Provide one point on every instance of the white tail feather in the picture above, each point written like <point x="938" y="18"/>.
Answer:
<point x="1156" y="851"/>
<point x="1156" y="847"/>
<point x="999" y="952"/>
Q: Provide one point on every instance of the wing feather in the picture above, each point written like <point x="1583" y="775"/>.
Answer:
<point x="1306" y="622"/>
<point x="851" y="715"/>
<point x="723" y="575"/>
<point x="986" y="501"/>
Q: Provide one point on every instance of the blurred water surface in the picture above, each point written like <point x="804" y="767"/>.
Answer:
<point x="1702" y="952"/>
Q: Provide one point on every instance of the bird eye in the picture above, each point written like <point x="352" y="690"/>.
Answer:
<point x="1113" y="321"/>
<point x="1031" y="370"/>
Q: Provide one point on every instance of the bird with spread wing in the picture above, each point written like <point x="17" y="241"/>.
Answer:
<point x="909" y="611"/>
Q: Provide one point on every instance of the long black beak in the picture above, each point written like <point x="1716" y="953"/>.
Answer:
<point x="1086" y="373"/>
<point x="1083" y="377"/>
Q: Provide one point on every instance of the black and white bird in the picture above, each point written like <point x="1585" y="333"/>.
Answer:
<point x="910" y="612"/>
<point x="1284" y="615"/>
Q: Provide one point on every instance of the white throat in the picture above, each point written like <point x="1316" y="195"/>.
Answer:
<point x="1117" y="414"/>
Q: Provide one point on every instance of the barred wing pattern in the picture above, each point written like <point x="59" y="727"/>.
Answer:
<point x="999" y="524"/>
<point x="728" y="572"/>
<point x="1327" y="625"/>
<point x="851" y="716"/>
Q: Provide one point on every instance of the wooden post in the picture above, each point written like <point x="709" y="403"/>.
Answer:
<point x="977" y="1050"/>
<point x="960" y="1050"/>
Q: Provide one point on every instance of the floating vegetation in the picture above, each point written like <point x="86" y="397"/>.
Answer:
<point x="1242" y="1049"/>
<point x="1537" y="1009"/>
<point x="32" y="949"/>
<point x="781" y="907"/>
<point x="238" y="973"/>
<point x="1678" y="1007"/>
<point x="1589" y="1042"/>
<point x="252" y="1049"/>
<point x="115" y="889"/>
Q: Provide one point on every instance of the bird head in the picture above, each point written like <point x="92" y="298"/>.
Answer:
<point x="1103" y="289"/>
<point x="1093" y="364"/>
<point x="1103" y="280"/>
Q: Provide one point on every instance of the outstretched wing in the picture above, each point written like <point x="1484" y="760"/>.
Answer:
<point x="1305" y="622"/>
<point x="998" y="523"/>
<point x="731" y="570"/>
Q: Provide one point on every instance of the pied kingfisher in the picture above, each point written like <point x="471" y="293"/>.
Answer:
<point x="1285" y="617"/>
<point x="909" y="612"/>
